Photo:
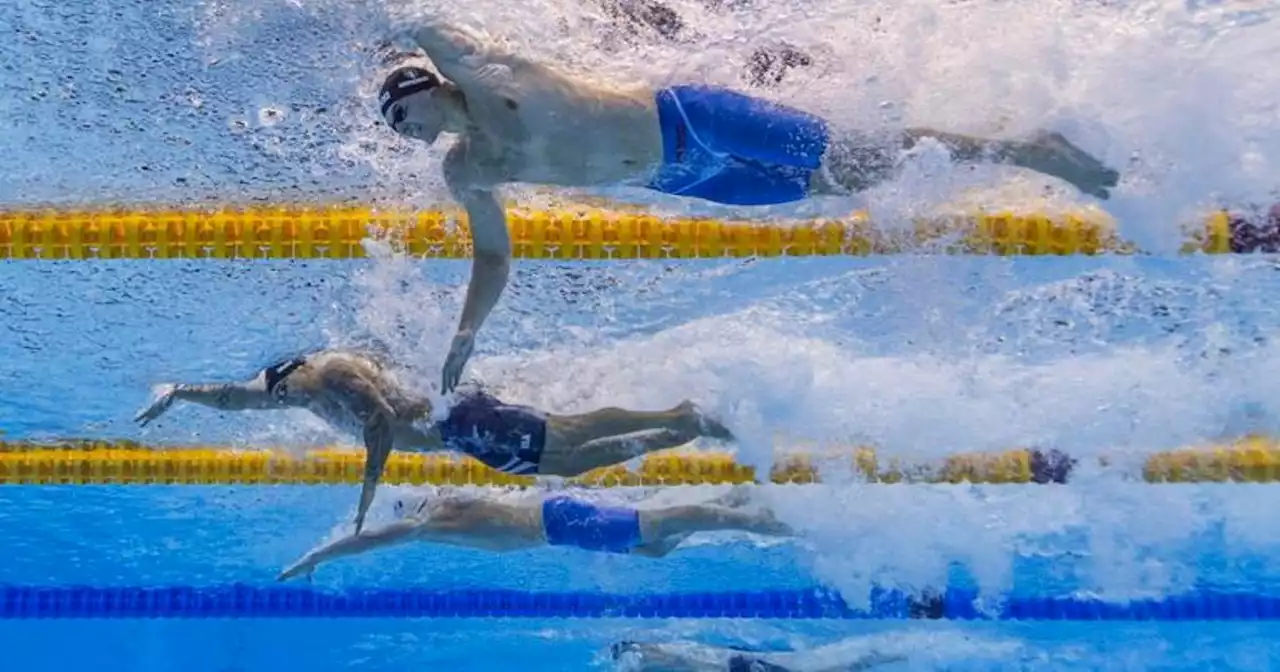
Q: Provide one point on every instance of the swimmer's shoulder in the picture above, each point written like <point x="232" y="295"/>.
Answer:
<point x="344" y="358"/>
<point x="524" y="79"/>
<point x="328" y="366"/>
<point x="376" y="355"/>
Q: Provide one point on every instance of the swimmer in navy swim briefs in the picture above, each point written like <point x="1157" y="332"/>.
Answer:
<point x="521" y="121"/>
<point x="358" y="392"/>
<point x="490" y="521"/>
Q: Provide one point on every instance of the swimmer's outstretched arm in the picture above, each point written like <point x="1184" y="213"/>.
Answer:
<point x="378" y="537"/>
<point x="490" y="264"/>
<point x="222" y="396"/>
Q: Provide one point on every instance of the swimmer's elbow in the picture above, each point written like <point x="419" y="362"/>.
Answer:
<point x="447" y="45"/>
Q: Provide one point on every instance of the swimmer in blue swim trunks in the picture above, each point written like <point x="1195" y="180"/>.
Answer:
<point x="485" y="520"/>
<point x="358" y="392"/>
<point x="522" y="121"/>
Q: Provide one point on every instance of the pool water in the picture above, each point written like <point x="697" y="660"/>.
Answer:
<point x="924" y="358"/>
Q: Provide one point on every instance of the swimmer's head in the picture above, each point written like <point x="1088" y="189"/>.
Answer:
<point x="274" y="381"/>
<point x="629" y="656"/>
<point x="619" y="649"/>
<point x="412" y="104"/>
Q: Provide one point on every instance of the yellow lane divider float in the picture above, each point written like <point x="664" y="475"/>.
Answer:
<point x="88" y="462"/>
<point x="340" y="232"/>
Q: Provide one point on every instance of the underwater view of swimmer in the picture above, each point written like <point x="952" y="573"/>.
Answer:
<point x="484" y="520"/>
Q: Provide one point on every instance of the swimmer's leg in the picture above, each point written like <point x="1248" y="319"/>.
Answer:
<point x="609" y="436"/>
<point x="858" y="162"/>
<point x="737" y="496"/>
<point x="660" y="548"/>
<point x="661" y="530"/>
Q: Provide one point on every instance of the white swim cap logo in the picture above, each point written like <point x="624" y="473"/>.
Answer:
<point x="414" y="82"/>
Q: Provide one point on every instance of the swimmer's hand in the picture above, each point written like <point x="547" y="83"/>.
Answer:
<point x="463" y="343"/>
<point x="304" y="567"/>
<point x="161" y="399"/>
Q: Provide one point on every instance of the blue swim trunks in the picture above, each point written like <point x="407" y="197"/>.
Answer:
<point x="573" y="522"/>
<point x="726" y="147"/>
<point x="504" y="437"/>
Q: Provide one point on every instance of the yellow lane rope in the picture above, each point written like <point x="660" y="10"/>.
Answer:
<point x="340" y="232"/>
<point x="1252" y="460"/>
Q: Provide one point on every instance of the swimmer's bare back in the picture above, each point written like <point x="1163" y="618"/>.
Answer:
<point x="347" y="390"/>
<point x="530" y="122"/>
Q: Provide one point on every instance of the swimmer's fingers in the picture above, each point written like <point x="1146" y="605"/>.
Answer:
<point x="459" y="353"/>
<point x="304" y="567"/>
<point x="161" y="400"/>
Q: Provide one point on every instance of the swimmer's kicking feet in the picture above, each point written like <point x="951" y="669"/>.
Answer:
<point x="355" y="391"/>
<point x="518" y="120"/>
<point x="483" y="521"/>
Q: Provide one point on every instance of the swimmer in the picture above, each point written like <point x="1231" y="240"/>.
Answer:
<point x="524" y="121"/>
<point x="693" y="657"/>
<point x="484" y="522"/>
<point x="357" y="392"/>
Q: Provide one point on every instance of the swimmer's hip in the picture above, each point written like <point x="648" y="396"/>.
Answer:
<point x="567" y="521"/>
<point x="727" y="147"/>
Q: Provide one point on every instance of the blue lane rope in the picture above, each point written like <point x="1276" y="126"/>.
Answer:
<point x="246" y="601"/>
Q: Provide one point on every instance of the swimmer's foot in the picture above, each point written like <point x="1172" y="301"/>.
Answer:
<point x="766" y="523"/>
<point x="738" y="496"/>
<point x="759" y="519"/>
<point x="1052" y="154"/>
<point x="703" y="424"/>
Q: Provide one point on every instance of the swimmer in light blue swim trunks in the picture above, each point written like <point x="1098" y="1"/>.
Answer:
<point x="518" y="120"/>
<point x="486" y="520"/>
<point x="359" y="393"/>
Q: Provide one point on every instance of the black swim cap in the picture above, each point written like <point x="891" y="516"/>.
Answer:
<point x="405" y="82"/>
<point x="617" y="649"/>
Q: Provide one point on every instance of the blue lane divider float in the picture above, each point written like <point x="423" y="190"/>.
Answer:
<point x="246" y="601"/>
